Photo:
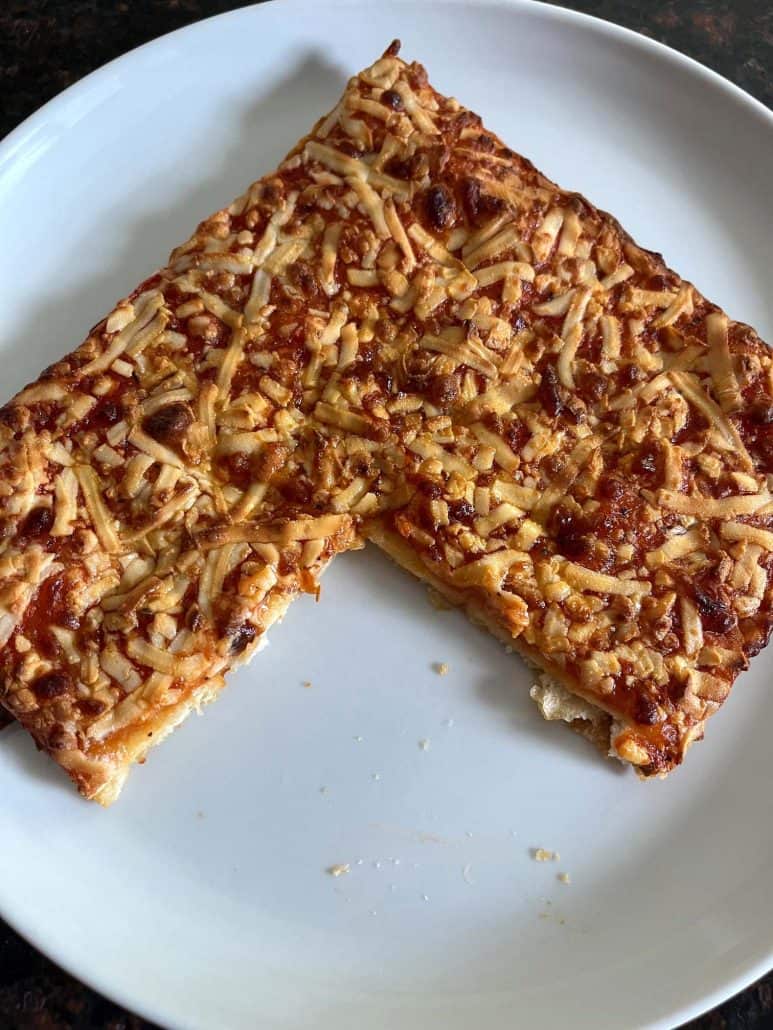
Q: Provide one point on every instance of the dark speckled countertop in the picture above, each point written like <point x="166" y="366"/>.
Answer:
<point x="45" y="46"/>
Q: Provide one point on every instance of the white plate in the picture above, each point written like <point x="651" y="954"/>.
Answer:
<point x="201" y="899"/>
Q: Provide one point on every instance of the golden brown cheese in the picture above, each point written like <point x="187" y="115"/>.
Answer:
<point x="407" y="334"/>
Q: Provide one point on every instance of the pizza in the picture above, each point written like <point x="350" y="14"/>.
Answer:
<point x="405" y="335"/>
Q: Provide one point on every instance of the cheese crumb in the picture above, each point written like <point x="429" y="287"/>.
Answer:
<point x="424" y="744"/>
<point x="564" y="878"/>
<point x="441" y="668"/>
<point x="307" y="684"/>
<point x="543" y="855"/>
<point x="339" y="870"/>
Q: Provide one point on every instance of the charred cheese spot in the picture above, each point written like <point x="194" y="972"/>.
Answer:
<point x="168" y="424"/>
<point x="51" y="685"/>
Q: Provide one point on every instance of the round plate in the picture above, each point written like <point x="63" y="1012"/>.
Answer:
<point x="201" y="899"/>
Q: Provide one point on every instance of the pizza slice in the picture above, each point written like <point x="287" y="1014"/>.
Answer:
<point x="406" y="335"/>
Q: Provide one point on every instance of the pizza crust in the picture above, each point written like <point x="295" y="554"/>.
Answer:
<point x="554" y="701"/>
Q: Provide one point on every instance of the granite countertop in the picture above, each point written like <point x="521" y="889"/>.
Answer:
<point x="45" y="45"/>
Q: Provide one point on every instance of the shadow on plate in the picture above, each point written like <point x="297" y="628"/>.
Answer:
<point x="17" y="744"/>
<point x="510" y="697"/>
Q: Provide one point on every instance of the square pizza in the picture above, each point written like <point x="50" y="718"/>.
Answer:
<point x="404" y="335"/>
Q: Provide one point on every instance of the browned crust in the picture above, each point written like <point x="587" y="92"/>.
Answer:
<point x="406" y="332"/>
<point x="103" y="778"/>
<point x="596" y="727"/>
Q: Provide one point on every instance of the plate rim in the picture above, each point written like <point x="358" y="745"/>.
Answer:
<point x="13" y="145"/>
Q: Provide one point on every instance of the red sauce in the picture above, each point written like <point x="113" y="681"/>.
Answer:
<point x="755" y="424"/>
<point x="106" y="412"/>
<point x="49" y="605"/>
<point x="695" y="426"/>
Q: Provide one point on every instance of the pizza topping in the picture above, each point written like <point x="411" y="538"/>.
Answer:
<point x="37" y="523"/>
<point x="405" y="333"/>
<point x="169" y="423"/>
<point x="51" y="685"/>
<point x="714" y="611"/>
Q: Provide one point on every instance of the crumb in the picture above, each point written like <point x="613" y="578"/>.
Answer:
<point x="395" y="861"/>
<point x="377" y="864"/>
<point x="376" y="776"/>
<point x="448" y="722"/>
<point x="373" y="912"/>
<point x="307" y="684"/>
<point x="564" y="878"/>
<point x="466" y="874"/>
<point x="543" y="855"/>
<point x="430" y="838"/>
<point x="468" y="833"/>
<point x="338" y="870"/>
<point x="358" y="739"/>
<point x="562" y="922"/>
<point x="358" y="862"/>
<point x="441" y="668"/>
<point x="438" y="601"/>
<point x="324" y="790"/>
<point x="424" y="744"/>
<point x="425" y="897"/>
